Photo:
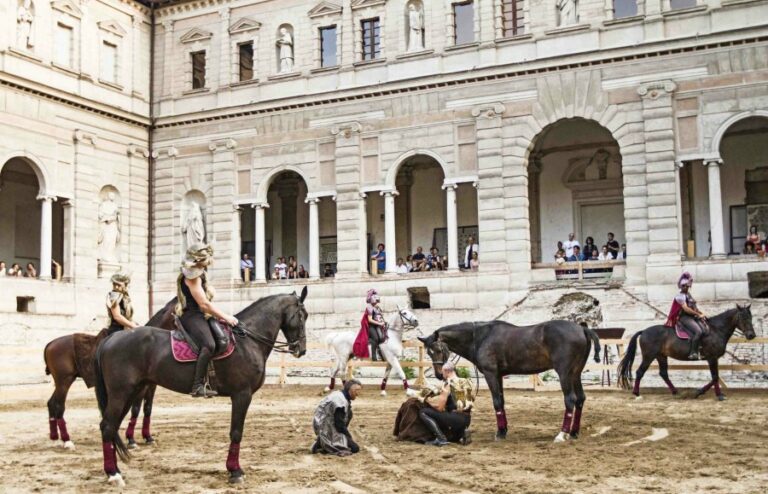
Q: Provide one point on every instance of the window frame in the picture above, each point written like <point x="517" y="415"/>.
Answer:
<point x="240" y="46"/>
<point x="115" y="62"/>
<point x="376" y="45"/>
<point x="70" y="63"/>
<point x="192" y="55"/>
<point x="454" y="24"/>
<point x="320" y="31"/>
<point x="518" y="27"/>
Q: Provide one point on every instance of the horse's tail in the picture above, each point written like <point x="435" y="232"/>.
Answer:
<point x="45" y="358"/>
<point x="625" y="366"/>
<point x="102" y="398"/>
<point x="592" y="336"/>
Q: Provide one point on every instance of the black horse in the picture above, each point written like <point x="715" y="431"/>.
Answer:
<point x="660" y="342"/>
<point x="129" y="360"/>
<point x="498" y="348"/>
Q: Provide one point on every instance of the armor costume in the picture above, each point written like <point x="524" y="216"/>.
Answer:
<point x="452" y="424"/>
<point x="677" y="317"/>
<point x="118" y="297"/>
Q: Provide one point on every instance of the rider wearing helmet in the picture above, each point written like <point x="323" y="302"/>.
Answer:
<point x="119" y="308"/>
<point x="377" y="327"/>
<point x="686" y="314"/>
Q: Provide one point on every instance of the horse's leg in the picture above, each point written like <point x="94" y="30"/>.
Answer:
<point x="569" y="397"/>
<point x="703" y="390"/>
<point x="395" y="364"/>
<point x="56" y="407"/>
<point x="581" y="397"/>
<point x="129" y="431"/>
<point x="647" y="359"/>
<point x="384" y="380"/>
<point x="240" y="403"/>
<point x="497" y="393"/>
<point x="663" y="372"/>
<point x="713" y="369"/>
<point x="110" y="425"/>
<point x="149" y="399"/>
<point x="341" y="364"/>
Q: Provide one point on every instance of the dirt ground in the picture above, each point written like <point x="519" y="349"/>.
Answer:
<point x="726" y="451"/>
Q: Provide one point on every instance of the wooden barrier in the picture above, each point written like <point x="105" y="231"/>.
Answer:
<point x="283" y="363"/>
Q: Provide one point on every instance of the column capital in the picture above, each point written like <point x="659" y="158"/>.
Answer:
<point x="222" y="144"/>
<point x="83" y="136"/>
<point x="449" y="186"/>
<point x="133" y="149"/>
<point x="224" y="13"/>
<point x="260" y="205"/>
<point x="488" y="110"/>
<point x="168" y="25"/>
<point x="346" y="129"/>
<point x="46" y="198"/>
<point x="389" y="193"/>
<point x="312" y="200"/>
<point x="712" y="162"/>
<point x="655" y="89"/>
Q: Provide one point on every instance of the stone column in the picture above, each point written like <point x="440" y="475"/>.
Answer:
<point x="67" y="260"/>
<point x="236" y="243"/>
<point x="534" y="172"/>
<point x="137" y="67"/>
<point x="314" y="238"/>
<point x="364" y="235"/>
<point x="349" y="227"/>
<point x="46" y="236"/>
<point x="389" y="229"/>
<point x="260" y="255"/>
<point x="225" y="65"/>
<point x="715" y="208"/>
<point x="452" y="226"/>
<point x="220" y="216"/>
<point x="167" y="57"/>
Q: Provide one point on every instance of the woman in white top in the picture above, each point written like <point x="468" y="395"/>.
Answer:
<point x="605" y="255"/>
<point x="472" y="247"/>
<point x="3" y="272"/>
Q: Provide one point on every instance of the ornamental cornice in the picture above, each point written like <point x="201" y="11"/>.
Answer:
<point x="652" y="90"/>
<point x="189" y="7"/>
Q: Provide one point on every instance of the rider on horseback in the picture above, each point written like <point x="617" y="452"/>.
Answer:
<point x="119" y="308"/>
<point x="685" y="314"/>
<point x="377" y="327"/>
<point x="195" y="308"/>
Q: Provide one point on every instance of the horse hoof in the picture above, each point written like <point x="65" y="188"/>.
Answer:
<point x="721" y="398"/>
<point x="116" y="480"/>
<point x="236" y="477"/>
<point x="69" y="445"/>
<point x="410" y="393"/>
<point x="574" y="435"/>
<point x="132" y="444"/>
<point x="383" y="393"/>
<point x="500" y="437"/>
<point x="561" y="437"/>
<point x="149" y="441"/>
<point x="638" y="397"/>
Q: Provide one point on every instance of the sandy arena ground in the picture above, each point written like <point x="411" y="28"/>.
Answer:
<point x="726" y="452"/>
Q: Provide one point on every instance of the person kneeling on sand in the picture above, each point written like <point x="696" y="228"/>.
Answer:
<point x="331" y="422"/>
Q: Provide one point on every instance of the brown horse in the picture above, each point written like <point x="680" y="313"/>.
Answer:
<point x="71" y="356"/>
<point x="660" y="342"/>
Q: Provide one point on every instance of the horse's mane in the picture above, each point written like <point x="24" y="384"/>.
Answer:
<point x="158" y="317"/>
<point x="259" y="303"/>
<point x="723" y="317"/>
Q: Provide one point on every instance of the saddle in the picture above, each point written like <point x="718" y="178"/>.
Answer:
<point x="185" y="349"/>
<point x="680" y="332"/>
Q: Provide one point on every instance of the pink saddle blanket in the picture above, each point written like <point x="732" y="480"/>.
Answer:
<point x="680" y="333"/>
<point x="182" y="352"/>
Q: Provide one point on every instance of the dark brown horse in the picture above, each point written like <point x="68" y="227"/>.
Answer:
<point x="660" y="342"/>
<point x="498" y="349"/>
<point x="71" y="356"/>
<point x="129" y="360"/>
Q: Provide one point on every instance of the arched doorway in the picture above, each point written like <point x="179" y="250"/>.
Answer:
<point x="575" y="186"/>
<point x="32" y="223"/>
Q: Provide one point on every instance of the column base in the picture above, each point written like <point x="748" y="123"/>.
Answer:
<point x="717" y="256"/>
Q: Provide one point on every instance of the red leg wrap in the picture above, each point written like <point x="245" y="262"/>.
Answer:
<point x="233" y="458"/>
<point x="706" y="387"/>
<point x="501" y="420"/>
<point x="110" y="458"/>
<point x="145" y="427"/>
<point x="52" y="425"/>
<point x="671" y="386"/>
<point x="63" y="429"/>
<point x="405" y="384"/>
<point x="567" y="420"/>
<point x="717" y="388"/>
<point x="333" y="383"/>
<point x="383" y="384"/>
<point x="576" y="421"/>
<point x="129" y="431"/>
<point x="636" y="388"/>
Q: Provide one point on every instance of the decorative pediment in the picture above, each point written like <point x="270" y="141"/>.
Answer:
<point x="68" y="7"/>
<point x="113" y="27"/>
<point x="196" y="34"/>
<point x="361" y="4"/>
<point x="243" y="25"/>
<point x="325" y="8"/>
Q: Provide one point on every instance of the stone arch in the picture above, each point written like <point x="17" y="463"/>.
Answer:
<point x="391" y="177"/>
<point x="263" y="187"/>
<point x="37" y="166"/>
<point x="714" y="148"/>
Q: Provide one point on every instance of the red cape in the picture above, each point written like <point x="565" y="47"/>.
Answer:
<point x="674" y="314"/>
<point x="360" y="348"/>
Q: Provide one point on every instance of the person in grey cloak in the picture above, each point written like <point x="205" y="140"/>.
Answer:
<point x="331" y="422"/>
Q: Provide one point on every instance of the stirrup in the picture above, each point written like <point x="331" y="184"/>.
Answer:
<point x="694" y="356"/>
<point x="203" y="391"/>
<point x="437" y="442"/>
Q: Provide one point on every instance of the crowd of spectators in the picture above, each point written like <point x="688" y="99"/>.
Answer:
<point x="16" y="271"/>
<point x="755" y="243"/>
<point x="433" y="261"/>
<point x="571" y="250"/>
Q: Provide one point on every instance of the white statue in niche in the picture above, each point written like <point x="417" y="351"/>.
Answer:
<point x="285" y="45"/>
<point x="567" y="14"/>
<point x="415" y="28"/>
<point x="109" y="228"/>
<point x="194" y="226"/>
<point x="25" y="16"/>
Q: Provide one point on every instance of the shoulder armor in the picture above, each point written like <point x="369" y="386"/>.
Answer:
<point x="113" y="298"/>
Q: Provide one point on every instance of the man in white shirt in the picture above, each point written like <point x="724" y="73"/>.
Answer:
<point x="281" y="268"/>
<point x="401" y="267"/>
<point x="569" y="244"/>
<point x="472" y="247"/>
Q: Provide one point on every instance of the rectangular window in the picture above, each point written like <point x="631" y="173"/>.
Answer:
<point x="328" y="46"/>
<point x="464" y="22"/>
<point x="245" y="51"/>
<point x="108" y="62"/>
<point x="64" y="42"/>
<point x="371" y="39"/>
<point x="681" y="4"/>
<point x="624" y="8"/>
<point x="513" y="17"/>
<point x="198" y="69"/>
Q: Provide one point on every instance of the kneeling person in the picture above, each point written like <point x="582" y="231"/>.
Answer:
<point x="449" y="414"/>
<point x="331" y="421"/>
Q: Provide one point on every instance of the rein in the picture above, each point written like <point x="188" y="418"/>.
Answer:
<point x="279" y="346"/>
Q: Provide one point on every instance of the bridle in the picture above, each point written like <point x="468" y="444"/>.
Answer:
<point x="242" y="331"/>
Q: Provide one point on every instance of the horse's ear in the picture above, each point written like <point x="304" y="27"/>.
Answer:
<point x="738" y="307"/>
<point x="422" y="339"/>
<point x="398" y="308"/>
<point x="303" y="294"/>
<point x="749" y="306"/>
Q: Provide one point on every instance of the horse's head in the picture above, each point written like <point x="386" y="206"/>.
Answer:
<point x="438" y="352"/>
<point x="293" y="325"/>
<point x="744" y="321"/>
<point x="408" y="318"/>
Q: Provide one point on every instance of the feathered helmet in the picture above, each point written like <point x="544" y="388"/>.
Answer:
<point x="685" y="280"/>
<point x="372" y="296"/>
<point x="122" y="279"/>
<point x="197" y="258"/>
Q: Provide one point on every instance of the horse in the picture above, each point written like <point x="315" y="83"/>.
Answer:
<point x="391" y="350"/>
<point x="61" y="363"/>
<point x="498" y="348"/>
<point x="660" y="342"/>
<point x="129" y="360"/>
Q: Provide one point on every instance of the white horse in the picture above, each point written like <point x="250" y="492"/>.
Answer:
<point x="391" y="350"/>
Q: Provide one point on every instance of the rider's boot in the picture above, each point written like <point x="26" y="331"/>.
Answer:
<point x="374" y="349"/>
<point x="440" y="439"/>
<point x="693" y="353"/>
<point x="220" y="338"/>
<point x="201" y="368"/>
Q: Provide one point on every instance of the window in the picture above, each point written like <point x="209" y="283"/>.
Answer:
<point x="513" y="19"/>
<point x="681" y="4"/>
<point x="198" y="69"/>
<point x="64" y="42"/>
<point x="371" y="39"/>
<point x="464" y="22"/>
<point x="624" y="8"/>
<point x="328" y="46"/>
<point x="108" y="62"/>
<point x="245" y="61"/>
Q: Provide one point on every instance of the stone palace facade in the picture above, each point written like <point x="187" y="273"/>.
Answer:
<point x="319" y="129"/>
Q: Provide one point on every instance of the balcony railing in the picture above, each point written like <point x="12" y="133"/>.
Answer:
<point x="583" y="270"/>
